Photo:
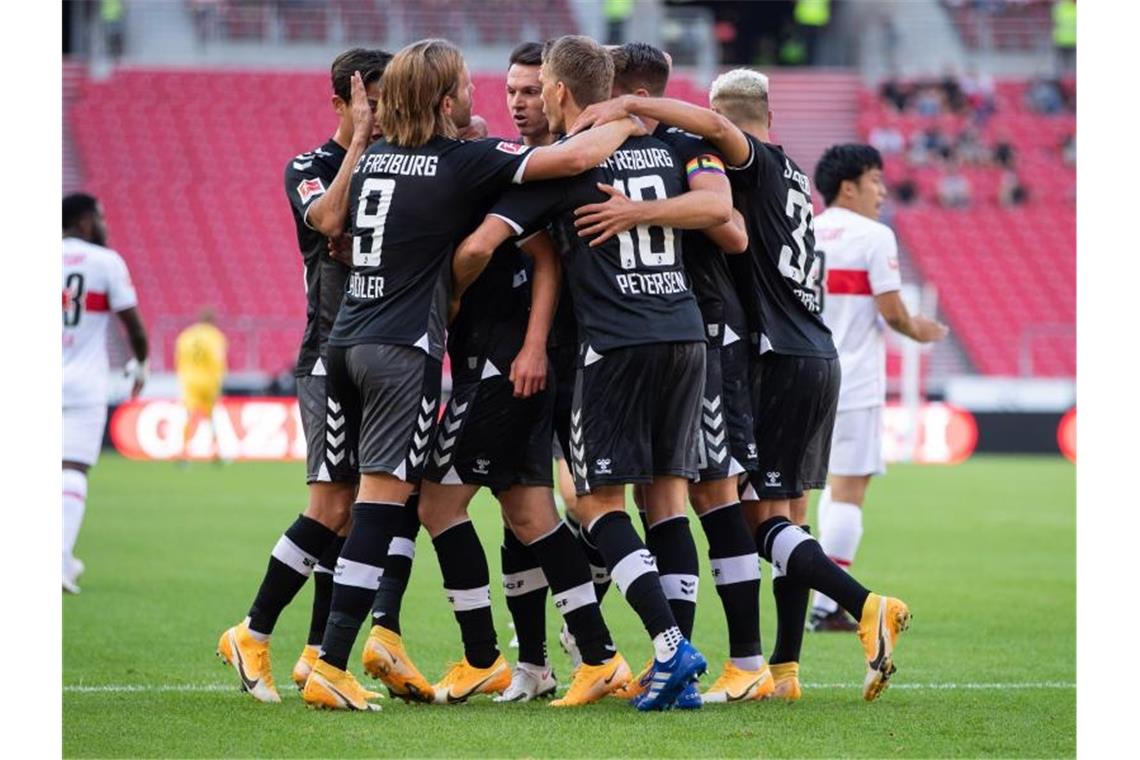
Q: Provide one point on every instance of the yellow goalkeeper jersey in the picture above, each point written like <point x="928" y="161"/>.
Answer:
<point x="200" y="355"/>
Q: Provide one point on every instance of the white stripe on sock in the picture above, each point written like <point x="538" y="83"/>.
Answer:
<point x="631" y="567"/>
<point x="297" y="559"/>
<point x="680" y="586"/>
<point x="574" y="598"/>
<point x="516" y="584"/>
<point x="404" y="547"/>
<point x="358" y="574"/>
<point x="726" y="570"/>
<point x="464" y="599"/>
<point x="785" y="543"/>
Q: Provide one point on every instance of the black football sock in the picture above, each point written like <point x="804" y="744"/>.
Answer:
<point x="397" y="568"/>
<point x="322" y="591"/>
<point x="736" y="573"/>
<point x="290" y="564"/>
<point x="634" y="571"/>
<point x="644" y="517"/>
<point x="525" y="587"/>
<point x="671" y="542"/>
<point x="466" y="581"/>
<point x="358" y="572"/>
<point x="598" y="569"/>
<point x="566" y="569"/>
<point x="793" y="551"/>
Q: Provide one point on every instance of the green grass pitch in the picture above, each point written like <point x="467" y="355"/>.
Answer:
<point x="984" y="553"/>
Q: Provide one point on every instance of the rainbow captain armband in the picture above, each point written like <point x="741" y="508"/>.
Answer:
<point x="704" y="163"/>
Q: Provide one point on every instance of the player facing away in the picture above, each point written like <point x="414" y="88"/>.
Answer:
<point x="200" y="363"/>
<point x="727" y="445"/>
<point x="315" y="182"/>
<point x="862" y="298"/>
<point x="641" y="364"/>
<point x="413" y="193"/>
<point x="795" y="380"/>
<point x="96" y="284"/>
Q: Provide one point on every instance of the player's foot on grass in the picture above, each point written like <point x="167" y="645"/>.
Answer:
<point x="786" y="681"/>
<point x="384" y="658"/>
<point x="250" y="658"/>
<point x="463" y="681"/>
<point x="330" y="688"/>
<point x="305" y="664"/>
<point x="667" y="680"/>
<point x="570" y="646"/>
<point x="635" y="686"/>
<point x="72" y="569"/>
<point x="529" y="682"/>
<point x="883" y="619"/>
<point x="593" y="682"/>
<point x="739" y="685"/>
<point x="837" y="620"/>
<point x="689" y="698"/>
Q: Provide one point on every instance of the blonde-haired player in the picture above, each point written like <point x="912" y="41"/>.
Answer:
<point x="200" y="361"/>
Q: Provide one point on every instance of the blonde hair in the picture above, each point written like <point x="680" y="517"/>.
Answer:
<point x="412" y="90"/>
<point x="741" y="95"/>
<point x="584" y="66"/>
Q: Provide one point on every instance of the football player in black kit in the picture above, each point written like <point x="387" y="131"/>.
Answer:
<point x="641" y="364"/>
<point x="796" y="377"/>
<point x="311" y="545"/>
<point x="727" y="444"/>
<point x="412" y="194"/>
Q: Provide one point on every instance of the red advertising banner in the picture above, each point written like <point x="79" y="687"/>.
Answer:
<point x="938" y="434"/>
<point x="1067" y="435"/>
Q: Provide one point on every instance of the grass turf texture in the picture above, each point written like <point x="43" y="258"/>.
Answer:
<point x="984" y="553"/>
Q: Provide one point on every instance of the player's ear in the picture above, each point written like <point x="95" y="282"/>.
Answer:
<point x="338" y="104"/>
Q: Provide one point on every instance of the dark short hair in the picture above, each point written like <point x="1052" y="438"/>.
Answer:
<point x="583" y="65"/>
<point x="76" y="206"/>
<point x="640" y="65"/>
<point x="370" y="64"/>
<point x="844" y="162"/>
<point x="527" y="54"/>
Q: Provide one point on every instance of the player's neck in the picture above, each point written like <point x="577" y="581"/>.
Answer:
<point x="756" y="129"/>
<point x="546" y="138"/>
<point x="343" y="136"/>
<point x="570" y="114"/>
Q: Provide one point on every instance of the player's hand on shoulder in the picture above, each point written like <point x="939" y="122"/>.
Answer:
<point x="601" y="113"/>
<point x="613" y="216"/>
<point x="476" y="130"/>
<point x="528" y="370"/>
<point x="340" y="249"/>
<point x="930" y="330"/>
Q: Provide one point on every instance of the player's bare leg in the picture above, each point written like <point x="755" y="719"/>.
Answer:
<point x="736" y="572"/>
<point x="840" y="523"/>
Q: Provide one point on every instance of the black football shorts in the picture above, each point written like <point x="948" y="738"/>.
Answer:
<point x="490" y="438"/>
<point x="563" y="367"/>
<point x="394" y="391"/>
<point x="727" y="444"/>
<point x="329" y="458"/>
<point x="795" y="400"/>
<point x="636" y="414"/>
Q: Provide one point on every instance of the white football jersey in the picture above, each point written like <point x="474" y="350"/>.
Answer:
<point x="861" y="258"/>
<point x="96" y="284"/>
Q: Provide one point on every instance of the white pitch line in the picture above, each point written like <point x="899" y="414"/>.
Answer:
<point x="217" y="687"/>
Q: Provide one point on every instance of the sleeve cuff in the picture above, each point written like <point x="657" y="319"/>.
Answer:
<point x="518" y="178"/>
<point x="510" y="223"/>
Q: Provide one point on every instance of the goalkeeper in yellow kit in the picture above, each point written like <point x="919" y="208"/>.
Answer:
<point x="200" y="361"/>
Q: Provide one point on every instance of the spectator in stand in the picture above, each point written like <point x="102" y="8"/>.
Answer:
<point x="894" y="92"/>
<point x="969" y="147"/>
<point x="886" y="137"/>
<point x="618" y="13"/>
<point x="1010" y="190"/>
<point x="981" y="95"/>
<point x="1004" y="154"/>
<point x="952" y="94"/>
<point x="928" y="101"/>
<point x="1044" y="96"/>
<point x="906" y="191"/>
<point x="954" y="188"/>
<point x="1065" y="34"/>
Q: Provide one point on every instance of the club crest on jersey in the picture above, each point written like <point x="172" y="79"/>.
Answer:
<point x="515" y="149"/>
<point x="310" y="188"/>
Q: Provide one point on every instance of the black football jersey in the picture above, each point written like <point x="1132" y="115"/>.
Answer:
<point x="774" y="196"/>
<point x="631" y="290"/>
<point x="493" y="314"/>
<point x="307" y="177"/>
<point x="704" y="261"/>
<point x="409" y="208"/>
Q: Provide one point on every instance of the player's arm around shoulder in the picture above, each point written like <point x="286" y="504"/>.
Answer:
<point x="579" y="153"/>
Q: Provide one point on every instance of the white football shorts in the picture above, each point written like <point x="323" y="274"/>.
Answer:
<point x="83" y="433"/>
<point x="857" y="443"/>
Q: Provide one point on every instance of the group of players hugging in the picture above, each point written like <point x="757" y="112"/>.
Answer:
<point x="633" y="280"/>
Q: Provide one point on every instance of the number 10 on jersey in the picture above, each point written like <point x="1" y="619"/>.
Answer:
<point x="667" y="256"/>
<point x="371" y="213"/>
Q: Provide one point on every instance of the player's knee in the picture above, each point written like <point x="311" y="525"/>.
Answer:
<point x="330" y="504"/>
<point x="710" y="494"/>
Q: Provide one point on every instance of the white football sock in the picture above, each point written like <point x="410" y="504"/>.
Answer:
<point x="74" y="505"/>
<point x="839" y="536"/>
<point x="753" y="663"/>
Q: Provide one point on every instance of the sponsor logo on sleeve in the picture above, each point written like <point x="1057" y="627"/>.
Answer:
<point x="515" y="149"/>
<point x="310" y="188"/>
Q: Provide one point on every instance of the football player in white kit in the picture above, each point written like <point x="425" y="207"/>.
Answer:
<point x="95" y="285"/>
<point x="862" y="266"/>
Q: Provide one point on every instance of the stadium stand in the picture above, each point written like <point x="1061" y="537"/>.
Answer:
<point x="1003" y="26"/>
<point x="1005" y="272"/>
